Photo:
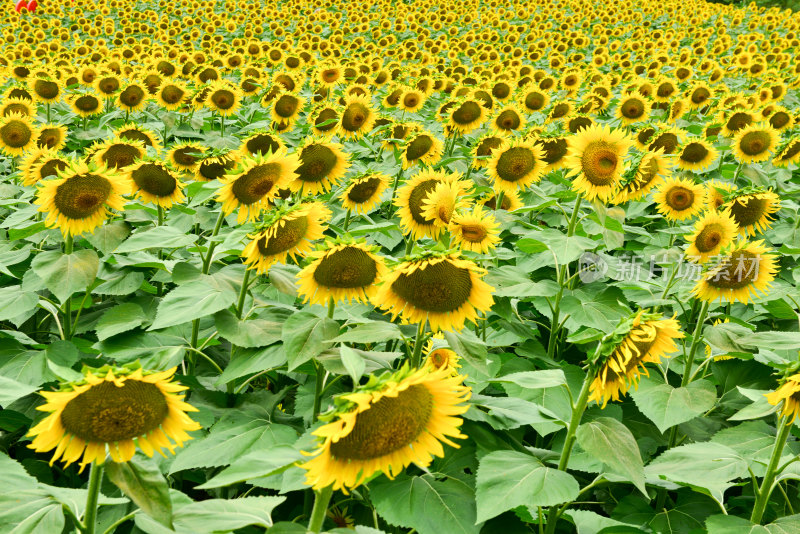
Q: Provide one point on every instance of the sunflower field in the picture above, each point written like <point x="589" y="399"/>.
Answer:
<point x="383" y="267"/>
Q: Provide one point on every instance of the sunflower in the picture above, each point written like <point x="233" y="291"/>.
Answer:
<point x="651" y="170"/>
<point x="261" y="142"/>
<point x="411" y="100"/>
<point x="45" y="89"/>
<point x="223" y="98"/>
<point x="752" y="209"/>
<point x="398" y="132"/>
<point x="699" y="95"/>
<point x="186" y="156"/>
<point x="515" y="165"/>
<point x="482" y="151"/>
<point x="422" y="147"/>
<point x="322" y="165"/>
<point x="740" y="274"/>
<point x="754" y="143"/>
<point x="133" y="97"/>
<point x="387" y="424"/>
<point x="716" y="191"/>
<point x="780" y="119"/>
<point x="171" y="94"/>
<point x="18" y="134"/>
<point x="324" y="120"/>
<point x="442" y="202"/>
<point x="342" y="271"/>
<point x="48" y="164"/>
<point x="288" y="232"/>
<point x="712" y="232"/>
<point x="410" y="201"/>
<point x="19" y="106"/>
<point x="79" y="199"/>
<point x="679" y="199"/>
<point x="646" y="337"/>
<point x="476" y="230"/>
<point x="254" y="182"/>
<point x="107" y="84"/>
<point x="215" y="167"/>
<point x="154" y="182"/>
<point x="696" y="155"/>
<point x="86" y="104"/>
<point x="511" y="201"/>
<point x="666" y="138"/>
<point x="438" y="355"/>
<point x="465" y="116"/>
<point x="535" y="100"/>
<point x="133" y="132"/>
<point x="733" y="122"/>
<point x="364" y="192"/>
<point x="328" y="74"/>
<point x="554" y="151"/>
<point x="632" y="109"/>
<point x="789" y="153"/>
<point x="596" y="159"/>
<point x="509" y="118"/>
<point x="286" y="107"/>
<point x="117" y="153"/>
<point x="113" y="409"/>
<point x="357" y="117"/>
<point x="788" y="395"/>
<point x="561" y="109"/>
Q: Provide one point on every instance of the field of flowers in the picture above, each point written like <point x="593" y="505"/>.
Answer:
<point x="470" y="267"/>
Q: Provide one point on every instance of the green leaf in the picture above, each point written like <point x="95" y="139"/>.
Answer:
<point x="120" y="282"/>
<point x="587" y="522"/>
<point x="372" y="332"/>
<point x="505" y="413"/>
<point x="612" y="443"/>
<point x="667" y="406"/>
<point x="249" y="361"/>
<point x="426" y="504"/>
<point x="596" y="310"/>
<point x="158" y="237"/>
<point x="195" y="299"/>
<point x="11" y="390"/>
<point x="64" y="274"/>
<point x="249" y="333"/>
<point x="15" y="302"/>
<point x="470" y="348"/>
<point x="534" y="379"/>
<point x="771" y="340"/>
<point x="223" y="515"/>
<point x="730" y="524"/>
<point x="305" y="336"/>
<point x="120" y="318"/>
<point x="142" y="481"/>
<point x="754" y="441"/>
<point x="353" y="362"/>
<point x="566" y="249"/>
<point x="47" y="519"/>
<point x="259" y="463"/>
<point x="156" y="350"/>
<point x="108" y="237"/>
<point x="507" y="479"/>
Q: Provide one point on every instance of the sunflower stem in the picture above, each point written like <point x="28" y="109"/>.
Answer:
<point x="222" y="125"/>
<point x="417" y="354"/>
<point x="498" y="201"/>
<point x="68" y="242"/>
<point x="84" y="124"/>
<point x="767" y="484"/>
<point x="394" y="190"/>
<point x="321" y="500"/>
<point x="243" y="293"/>
<point x="90" y="516"/>
<point x="409" y="245"/>
<point x="347" y="220"/>
<point x="213" y="244"/>
<point x="48" y="112"/>
<point x="696" y="338"/>
<point x="331" y="307"/>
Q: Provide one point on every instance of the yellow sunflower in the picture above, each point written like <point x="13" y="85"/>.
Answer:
<point x="515" y="165"/>
<point x="439" y="356"/>
<point x="261" y="142"/>
<point x="508" y="119"/>
<point x="18" y="134"/>
<point x="171" y="94"/>
<point x="696" y="155"/>
<point x="475" y="230"/>
<point x="286" y="107"/>
<point x="716" y="191"/>
<point x="712" y="232"/>
<point x="19" y="106"/>
<point x="79" y="199"/>
<point x="186" y="156"/>
<point x="48" y="164"/>
<point x="754" y="143"/>
<point x="254" y="182"/>
<point x="154" y="182"/>
<point x="410" y="201"/>
<point x="411" y="100"/>
<point x="421" y="147"/>
<point x="52" y="136"/>
<point x="555" y="149"/>
<point x="442" y="202"/>
<point x="215" y="167"/>
<point x="632" y="109"/>
<point x="135" y="132"/>
<point x="387" y="424"/>
<point x="440" y="288"/>
<point x="223" y="98"/>
<point x="86" y="104"/>
<point x="788" y="396"/>
<point x="322" y="165"/>
<point x="324" y="120"/>
<point x="113" y="410"/>
<point x="342" y="271"/>
<point x="289" y="231"/>
<point x="357" y="118"/>
<point x="679" y="199"/>
<point x="789" y="153"/>
<point x="465" y="116"/>
<point x="652" y="169"/>
<point x="741" y="273"/>
<point x="117" y="153"/>
<point x="133" y="97"/>
<point x="596" y="160"/>
<point x="364" y="192"/>
<point x="484" y="147"/>
<point x="752" y="209"/>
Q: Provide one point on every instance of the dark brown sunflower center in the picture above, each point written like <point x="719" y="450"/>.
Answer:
<point x="737" y="271"/>
<point x="709" y="237"/>
<point x="21" y="109"/>
<point x="599" y="163"/>
<point x="473" y="233"/>
<point x="439" y="288"/>
<point x="286" y="106"/>
<point x="316" y="162"/>
<point x="52" y="167"/>
<point x="439" y="358"/>
<point x="87" y="103"/>
<point x="394" y="97"/>
<point x="82" y="195"/>
<point x="418" y="194"/>
<point x="330" y="75"/>
<point x="515" y="164"/>
<point x="186" y="156"/>
<point x="739" y="120"/>
<point x="213" y="169"/>
<point x="327" y="115"/>
<point x="363" y="191"/>
<point x="285" y="238"/>
<point x="665" y="89"/>
<point x="223" y="99"/>
<point x="108" y="85"/>
<point x="755" y="143"/>
<point x="554" y="149"/>
<point x="389" y="425"/>
<point x="508" y="120"/>
<point x="255" y="183"/>
<point x="106" y="413"/>
<point x="262" y="144"/>
<point x="700" y="95"/>
<point x="578" y="123"/>
<point x="680" y="198"/>
<point x="120" y="155"/>
<point x="790" y="151"/>
<point x="779" y="119"/>
<point x="154" y="179"/>
<point x="492" y="203"/>
<point x="633" y="108"/>
<point x="131" y="96"/>
<point x="667" y="140"/>
<point x="747" y="211"/>
<point x="136" y="135"/>
<point x="410" y="100"/>
<point x="347" y="268"/>
<point x="501" y="90"/>
<point x="46" y="89"/>
<point x="534" y="101"/>
<point x="466" y="113"/>
<point x="172" y="94"/>
<point x="643" y="136"/>
<point x="559" y="111"/>
<point x="354" y="117"/>
<point x="486" y="146"/>
<point x="15" y="133"/>
<point x="694" y="153"/>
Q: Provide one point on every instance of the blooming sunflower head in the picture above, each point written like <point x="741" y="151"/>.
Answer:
<point x="596" y="160"/>
<point x="441" y="288"/>
<point x="286" y="107"/>
<point x="740" y="273"/>
<point x="86" y="104"/>
<point x="712" y="232"/>
<point x="117" y="153"/>
<point x="223" y="98"/>
<point x="186" y="156"/>
<point x="441" y="203"/>
<point x="114" y="410"/>
<point x="133" y="97"/>
<point x="357" y="117"/>
<point x="18" y="134"/>
<point x="475" y="230"/>
<point x="754" y="143"/>
<point x="554" y="151"/>
<point x="387" y="424"/>
<point x="421" y="147"/>
<point x="364" y="192"/>
<point x="465" y="115"/>
<point x="516" y="164"/>
<point x="716" y="193"/>
<point x="485" y="145"/>
<point x="439" y="355"/>
<point x="647" y="171"/>
<point x="213" y="167"/>
<point x="632" y="109"/>
<point x="752" y="209"/>
<point x="679" y="199"/>
<point x="788" y="397"/>
<point x="788" y="153"/>
<point x="52" y="136"/>
<point x="508" y="119"/>
<point x="411" y="201"/>
<point x="696" y="155"/>
<point x="155" y="182"/>
<point x="322" y="165"/>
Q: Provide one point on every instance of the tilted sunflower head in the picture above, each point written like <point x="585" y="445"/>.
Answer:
<point x="322" y="165"/>
<point x="788" y="397"/>
<point x="133" y="97"/>
<point x="18" y="134"/>
<point x="215" y="167"/>
<point x="117" y="153"/>
<point x="632" y="109"/>
<point x="646" y="172"/>
<point x="515" y="165"/>
<point x="358" y="117"/>
<point x="741" y="273"/>
<point x="465" y="115"/>
<point x="324" y="120"/>
<point x="788" y="153"/>
<point x="154" y="182"/>
<point x="411" y="201"/>
<point x="754" y="143"/>
<point x="752" y="208"/>
<point x="475" y="230"/>
<point x="713" y="232"/>
<point x="364" y="192"/>
<point x="696" y="155"/>
<point x="186" y="156"/>
<point x="261" y="142"/>
<point x="286" y="107"/>
<point x="439" y="355"/>
<point x="421" y="147"/>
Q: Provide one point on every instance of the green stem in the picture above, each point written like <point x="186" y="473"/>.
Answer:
<point x="769" y="478"/>
<point x="120" y="521"/>
<point x="222" y="125"/>
<point x="160" y="216"/>
<point x="394" y="190"/>
<point x="68" y="242"/>
<point x="498" y="201"/>
<point x="321" y="500"/>
<point x="48" y="112"/>
<point x="416" y="355"/>
<point x="213" y="244"/>
<point x="242" y="293"/>
<point x="331" y="307"/>
<point x="696" y="338"/>
<point x="90" y="516"/>
<point x="84" y="124"/>
<point x="409" y="245"/>
<point x="469" y="171"/>
<point x="347" y="220"/>
<point x="319" y="385"/>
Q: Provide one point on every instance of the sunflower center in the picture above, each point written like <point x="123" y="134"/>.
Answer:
<point x="184" y="156"/>
<point x="791" y="151"/>
<point x="559" y="111"/>
<point x="754" y="143"/>
<point x="363" y="191"/>
<point x="679" y="198"/>
<point x="327" y="114"/>
<point x="709" y="238"/>
<point x="82" y="195"/>
<point x="136" y="135"/>
<point x="154" y="179"/>
<point x="438" y="288"/>
<point x="87" y="103"/>
<point x="439" y="358"/>
<point x="779" y="119"/>
<point x="120" y="155"/>
<point x="106" y="413"/>
<point x="286" y="106"/>
<point x="667" y="140"/>
<point x="644" y="136"/>
<point x="599" y="163"/>
<point x="108" y="85"/>
<point x="410" y="101"/>
<point x="748" y="211"/>
<point x="700" y="95"/>
<point x="467" y="113"/>
<point x="285" y="237"/>
<point x="330" y="75"/>
<point x="131" y="96"/>
<point x="418" y="194"/>
<point x="554" y="149"/>
<point x="486" y="146"/>
<point x="172" y="94"/>
<point x="316" y="162"/>
<point x="739" y="120"/>
<point x="534" y="101"/>
<point x="46" y="89"/>
<point x="694" y="153"/>
<point x="213" y="170"/>
<point x="737" y="271"/>
<point x="52" y="167"/>
<point x="418" y="147"/>
<point x="354" y="117"/>
<point x="508" y="120"/>
<point x="633" y="108"/>
<point x="21" y="109"/>
<point x="15" y="133"/>
<point x="389" y="425"/>
<point x="223" y="99"/>
<point x="262" y="144"/>
<point x="474" y="233"/>
<point x="515" y="164"/>
<point x="347" y="268"/>
<point x="255" y="183"/>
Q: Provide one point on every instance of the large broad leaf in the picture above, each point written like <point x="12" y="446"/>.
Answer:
<point x="50" y="518"/>
<point x="155" y="350"/>
<point x="597" y="310"/>
<point x="120" y="318"/>
<point x="250" y="333"/>
<point x="64" y="274"/>
<point x="195" y="299"/>
<point x="248" y="361"/>
<point x="507" y="479"/>
<point x="470" y="348"/>
<point x="535" y="379"/>
<point x="15" y="302"/>
<point x="754" y="441"/>
<point x="729" y="524"/>
<point x="223" y="515"/>
<point x="505" y="413"/>
<point x="587" y="522"/>
<point x="305" y="336"/>
<point x="667" y="406"/>
<point x="158" y="237"/>
<point x="11" y="390"/>
<point x="373" y="332"/>
<point x="142" y="481"/>
<point x="711" y="466"/>
<point x="565" y="249"/>
<point x="108" y="237"/>
<point x="426" y="504"/>
<point x="259" y="463"/>
<point x="612" y="443"/>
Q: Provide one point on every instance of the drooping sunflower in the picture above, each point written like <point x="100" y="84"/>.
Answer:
<point x="117" y="153"/>
<point x="483" y="148"/>
<point x="364" y="192"/>
<point x="45" y="89"/>
<point x="438" y="355"/>
<point x="357" y="118"/>
<point x="114" y="410"/>
<point x="86" y="104"/>
<point x="79" y="199"/>
<point x="666" y="138"/>
<point x="712" y="232"/>
<point x="171" y="94"/>
<point x="696" y="155"/>
<point x="752" y="209"/>
<point x="508" y="119"/>
<point x="650" y="171"/>
<point x="322" y="165"/>
<point x="18" y="134"/>
<point x="643" y="338"/>
<point x="154" y="182"/>
<point x="19" y="106"/>
<point x="679" y="198"/>
<point x="596" y="160"/>
<point x="754" y="143"/>
<point x="554" y="149"/>
<point x="741" y="273"/>
<point x="286" y="107"/>
<point x="788" y="396"/>
<point x="475" y="230"/>
<point x="410" y="201"/>
<point x="387" y="424"/>
<point x="515" y="165"/>
<point x="342" y="271"/>
<point x="421" y="147"/>
<point x="223" y="98"/>
<point x="789" y="153"/>
<point x="254" y="182"/>
<point x="440" y="288"/>
<point x="133" y="97"/>
<point x="52" y="136"/>
<point x="287" y="232"/>
<point x="186" y="156"/>
<point x="324" y="120"/>
<point x="632" y="109"/>
<point x="465" y="116"/>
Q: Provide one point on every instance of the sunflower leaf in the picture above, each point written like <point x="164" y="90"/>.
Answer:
<point x="305" y="336"/>
<point x="64" y="274"/>
<point x="667" y="406"/>
<point x="195" y="299"/>
<point x="610" y="441"/>
<point x="142" y="481"/>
